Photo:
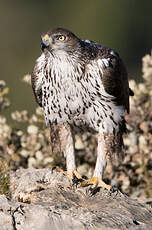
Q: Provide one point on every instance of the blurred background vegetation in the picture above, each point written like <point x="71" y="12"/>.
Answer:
<point x="122" y="25"/>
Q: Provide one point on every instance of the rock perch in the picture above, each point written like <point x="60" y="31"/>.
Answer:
<point x="45" y="200"/>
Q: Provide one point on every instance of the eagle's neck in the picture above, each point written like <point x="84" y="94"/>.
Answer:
<point x="64" y="64"/>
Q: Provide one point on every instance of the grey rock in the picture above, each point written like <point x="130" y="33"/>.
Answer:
<point x="45" y="200"/>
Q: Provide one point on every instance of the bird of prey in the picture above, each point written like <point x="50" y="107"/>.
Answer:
<point x="82" y="86"/>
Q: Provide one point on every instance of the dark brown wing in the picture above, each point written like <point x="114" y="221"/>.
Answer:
<point x="113" y="73"/>
<point x="115" y="78"/>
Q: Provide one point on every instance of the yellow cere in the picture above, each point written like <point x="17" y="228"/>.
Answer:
<point x="46" y="37"/>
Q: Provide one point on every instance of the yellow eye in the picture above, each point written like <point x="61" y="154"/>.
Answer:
<point x="61" y="38"/>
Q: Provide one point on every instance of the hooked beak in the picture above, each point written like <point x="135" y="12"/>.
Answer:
<point x="45" y="41"/>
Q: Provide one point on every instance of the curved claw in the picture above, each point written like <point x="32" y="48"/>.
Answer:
<point x="114" y="189"/>
<point x="76" y="181"/>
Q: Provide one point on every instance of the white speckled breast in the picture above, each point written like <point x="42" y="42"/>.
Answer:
<point x="70" y="96"/>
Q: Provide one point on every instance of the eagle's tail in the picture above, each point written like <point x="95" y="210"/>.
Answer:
<point x="114" y="144"/>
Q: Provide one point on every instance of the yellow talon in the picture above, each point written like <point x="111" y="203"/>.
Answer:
<point x="70" y="173"/>
<point x="96" y="182"/>
<point x="76" y="174"/>
<point x="58" y="169"/>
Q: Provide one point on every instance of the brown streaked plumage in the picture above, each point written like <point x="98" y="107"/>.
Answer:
<point x="82" y="86"/>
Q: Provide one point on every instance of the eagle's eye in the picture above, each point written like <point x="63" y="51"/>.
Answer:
<point x="61" y="38"/>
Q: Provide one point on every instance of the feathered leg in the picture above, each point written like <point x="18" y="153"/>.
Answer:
<point x="101" y="161"/>
<point x="67" y="147"/>
<point x="97" y="179"/>
<point x="66" y="143"/>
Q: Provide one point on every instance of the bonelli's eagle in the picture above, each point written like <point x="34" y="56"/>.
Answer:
<point x="82" y="86"/>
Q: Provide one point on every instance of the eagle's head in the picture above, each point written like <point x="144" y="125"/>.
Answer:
<point x="59" y="40"/>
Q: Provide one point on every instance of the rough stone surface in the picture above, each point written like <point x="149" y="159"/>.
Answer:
<point x="45" y="200"/>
